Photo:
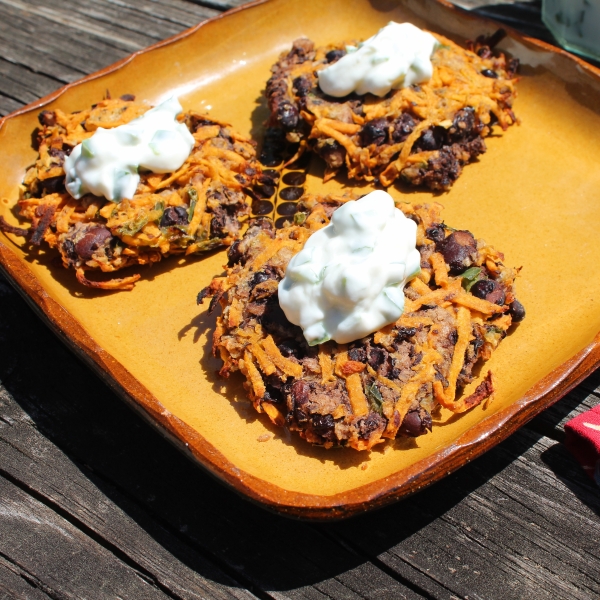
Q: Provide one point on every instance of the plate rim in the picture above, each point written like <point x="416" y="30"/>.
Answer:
<point x="489" y="432"/>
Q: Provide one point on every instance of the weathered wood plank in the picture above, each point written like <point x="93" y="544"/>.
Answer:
<point x="29" y="458"/>
<point x="14" y="584"/>
<point x="520" y="522"/>
<point x="58" y="557"/>
<point x="62" y="40"/>
<point x="132" y="465"/>
<point x="21" y="85"/>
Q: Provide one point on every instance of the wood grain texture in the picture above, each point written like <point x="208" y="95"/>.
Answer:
<point x="124" y="530"/>
<point x="521" y="522"/>
<point x="15" y="584"/>
<point x="60" y="41"/>
<point x="58" y="557"/>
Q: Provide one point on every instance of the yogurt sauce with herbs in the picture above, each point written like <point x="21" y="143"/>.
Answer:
<point x="397" y="56"/>
<point x="348" y="280"/>
<point x="107" y="163"/>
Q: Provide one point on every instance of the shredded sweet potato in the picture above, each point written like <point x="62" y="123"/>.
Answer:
<point x="423" y="134"/>
<point x="201" y="206"/>
<point x="387" y="384"/>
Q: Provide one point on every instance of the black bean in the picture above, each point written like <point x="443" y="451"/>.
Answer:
<point x="219" y="223"/>
<point x="281" y="222"/>
<point x="267" y="179"/>
<point x="301" y="85"/>
<point x="263" y="223"/>
<point x="358" y="354"/>
<point x="290" y="348"/>
<point x="374" y="132"/>
<point x="403" y="127"/>
<point x="274" y="387"/>
<point x="259" y="277"/>
<point x="57" y="153"/>
<point x="369" y="424"/>
<point x="377" y="356"/>
<point x="275" y="322"/>
<point x="333" y="153"/>
<point x="287" y="115"/>
<point x="47" y="117"/>
<point x="436" y="232"/>
<point x="516" y="311"/>
<point x="291" y="193"/>
<point x="405" y="333"/>
<point x="489" y="290"/>
<point x="128" y="97"/>
<point x="415" y="423"/>
<point x="53" y="185"/>
<point x="334" y="55"/>
<point x="489" y="73"/>
<point x="294" y="178"/>
<point x="234" y="254"/>
<point x="322" y="424"/>
<point x="69" y="249"/>
<point x="456" y="250"/>
<point x="463" y="125"/>
<point x="92" y="240"/>
<point x="432" y="139"/>
<point x="512" y="67"/>
<point x="174" y="215"/>
<point x="300" y="397"/>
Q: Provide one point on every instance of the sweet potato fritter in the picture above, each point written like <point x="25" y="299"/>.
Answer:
<point x="423" y="134"/>
<point x="387" y="384"/>
<point x="200" y="207"/>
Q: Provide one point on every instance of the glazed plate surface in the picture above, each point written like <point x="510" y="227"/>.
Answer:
<point x="535" y="195"/>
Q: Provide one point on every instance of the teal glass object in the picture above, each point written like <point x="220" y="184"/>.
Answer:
<point x="575" y="24"/>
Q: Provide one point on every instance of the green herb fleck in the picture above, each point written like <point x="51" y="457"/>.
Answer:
<point x="374" y="395"/>
<point x="86" y="150"/>
<point x="299" y="218"/>
<point x="193" y="196"/>
<point x="208" y="245"/>
<point x="470" y="276"/>
<point x="322" y="340"/>
<point x="133" y="226"/>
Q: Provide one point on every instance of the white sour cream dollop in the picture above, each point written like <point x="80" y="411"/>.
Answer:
<point x="397" y="56"/>
<point x="348" y="280"/>
<point x="107" y="163"/>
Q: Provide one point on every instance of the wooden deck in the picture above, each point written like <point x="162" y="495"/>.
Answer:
<point x="96" y="504"/>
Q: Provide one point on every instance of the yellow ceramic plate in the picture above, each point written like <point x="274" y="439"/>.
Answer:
<point x="535" y="195"/>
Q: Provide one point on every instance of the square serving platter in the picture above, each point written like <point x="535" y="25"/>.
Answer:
<point x="535" y="195"/>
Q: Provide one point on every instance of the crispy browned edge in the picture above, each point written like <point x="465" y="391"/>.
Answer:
<point x="469" y="446"/>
